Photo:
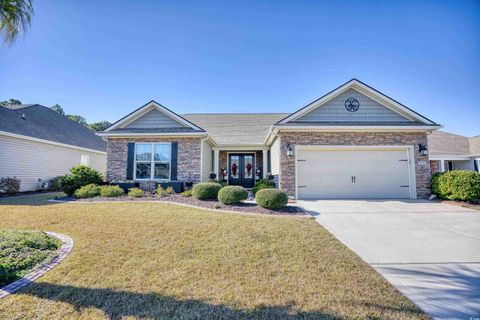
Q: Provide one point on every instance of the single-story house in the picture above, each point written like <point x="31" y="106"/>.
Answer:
<point x="450" y="151"/>
<point x="37" y="144"/>
<point x="353" y="142"/>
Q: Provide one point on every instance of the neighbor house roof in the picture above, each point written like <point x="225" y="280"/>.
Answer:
<point x="236" y="128"/>
<point x="445" y="143"/>
<point x="37" y="121"/>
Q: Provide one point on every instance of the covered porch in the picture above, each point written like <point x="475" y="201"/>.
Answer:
<point x="448" y="163"/>
<point x="240" y="165"/>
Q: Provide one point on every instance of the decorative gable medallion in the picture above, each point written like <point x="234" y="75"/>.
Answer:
<point x="352" y="104"/>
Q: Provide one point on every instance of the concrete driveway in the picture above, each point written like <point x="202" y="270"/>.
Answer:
<point x="429" y="251"/>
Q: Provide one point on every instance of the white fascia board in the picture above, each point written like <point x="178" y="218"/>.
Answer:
<point x="450" y="157"/>
<point x="357" y="128"/>
<point x="151" y="134"/>
<point x="240" y="147"/>
<point x="19" y="136"/>
<point x="370" y="92"/>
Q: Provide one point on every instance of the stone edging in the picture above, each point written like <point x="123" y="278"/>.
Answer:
<point x="62" y="253"/>
<point x="301" y="216"/>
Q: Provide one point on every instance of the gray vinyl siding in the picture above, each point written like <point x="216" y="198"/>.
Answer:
<point x="275" y="156"/>
<point x="369" y="110"/>
<point x="206" y="161"/>
<point x="31" y="160"/>
<point x="155" y="119"/>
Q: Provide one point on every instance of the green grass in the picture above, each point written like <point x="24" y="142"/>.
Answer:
<point x="162" y="261"/>
<point x="22" y="251"/>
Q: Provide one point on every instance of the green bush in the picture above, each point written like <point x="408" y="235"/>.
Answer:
<point x="88" y="191"/>
<point x="164" y="192"/>
<point x="232" y="194"/>
<point x="10" y="185"/>
<point x="55" y="183"/>
<point x="271" y="199"/>
<point x="263" y="184"/>
<point x="224" y="183"/>
<point x="461" y="185"/>
<point x="206" y="190"/>
<point x="434" y="183"/>
<point x="187" y="193"/>
<point x="135" y="192"/>
<point x="111" y="191"/>
<point x="79" y="176"/>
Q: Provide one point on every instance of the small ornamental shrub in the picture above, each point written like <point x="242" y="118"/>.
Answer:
<point x="170" y="190"/>
<point x="434" y="183"/>
<point x="111" y="191"/>
<point x="232" y="195"/>
<point x="79" y="176"/>
<point x="88" y="191"/>
<point x="135" y="192"/>
<point x="10" y="185"/>
<point x="164" y="192"/>
<point x="271" y="199"/>
<point x="263" y="184"/>
<point x="55" y="183"/>
<point x="461" y="185"/>
<point x="206" y="190"/>
<point x="187" y="193"/>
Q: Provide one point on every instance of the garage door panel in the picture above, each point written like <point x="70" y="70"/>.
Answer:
<point x="353" y="174"/>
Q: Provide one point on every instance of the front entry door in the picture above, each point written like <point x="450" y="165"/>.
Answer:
<point x="241" y="170"/>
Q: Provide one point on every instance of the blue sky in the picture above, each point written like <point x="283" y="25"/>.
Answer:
<point x="102" y="59"/>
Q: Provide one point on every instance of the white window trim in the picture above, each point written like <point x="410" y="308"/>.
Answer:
<point x="152" y="162"/>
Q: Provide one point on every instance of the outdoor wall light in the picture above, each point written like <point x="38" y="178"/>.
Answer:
<point x="422" y="149"/>
<point x="289" y="150"/>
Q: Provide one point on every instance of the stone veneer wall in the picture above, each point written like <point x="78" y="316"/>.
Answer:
<point x="188" y="162"/>
<point x="223" y="155"/>
<point x="287" y="164"/>
<point x="434" y="166"/>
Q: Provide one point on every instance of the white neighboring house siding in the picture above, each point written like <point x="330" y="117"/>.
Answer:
<point x="32" y="160"/>
<point x="275" y="156"/>
<point x="206" y="161"/>
<point x="155" y="119"/>
<point x="369" y="110"/>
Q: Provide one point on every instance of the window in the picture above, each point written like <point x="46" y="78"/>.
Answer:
<point x="85" y="160"/>
<point x="152" y="161"/>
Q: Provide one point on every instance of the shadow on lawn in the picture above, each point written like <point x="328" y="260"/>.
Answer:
<point x="118" y="304"/>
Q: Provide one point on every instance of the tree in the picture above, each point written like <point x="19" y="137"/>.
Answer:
<point x="78" y="119"/>
<point x="11" y="101"/>
<point x="15" y="18"/>
<point x="99" y="126"/>
<point x="58" y="108"/>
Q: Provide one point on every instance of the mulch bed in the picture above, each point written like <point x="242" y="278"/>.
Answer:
<point x="247" y="207"/>
<point x="464" y="204"/>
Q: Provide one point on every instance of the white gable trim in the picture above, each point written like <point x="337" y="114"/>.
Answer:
<point x="152" y="105"/>
<point x="369" y="92"/>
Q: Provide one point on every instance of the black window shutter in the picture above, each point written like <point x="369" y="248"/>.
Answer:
<point x="173" y="175"/>
<point x="130" y="156"/>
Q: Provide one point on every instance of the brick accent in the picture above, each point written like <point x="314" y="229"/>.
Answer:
<point x="188" y="163"/>
<point x="287" y="164"/>
<point x="434" y="166"/>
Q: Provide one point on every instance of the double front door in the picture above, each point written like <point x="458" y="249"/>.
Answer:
<point x="241" y="169"/>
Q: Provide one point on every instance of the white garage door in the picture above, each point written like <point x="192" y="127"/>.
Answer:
<point x="353" y="173"/>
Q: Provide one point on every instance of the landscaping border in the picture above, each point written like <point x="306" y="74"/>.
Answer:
<point x="62" y="253"/>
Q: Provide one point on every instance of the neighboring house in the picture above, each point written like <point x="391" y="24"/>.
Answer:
<point x="450" y="151"/>
<point x="37" y="144"/>
<point x="353" y="142"/>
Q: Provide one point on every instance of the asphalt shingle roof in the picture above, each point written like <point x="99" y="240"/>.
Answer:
<point x="236" y="128"/>
<point x="43" y="123"/>
<point x="445" y="143"/>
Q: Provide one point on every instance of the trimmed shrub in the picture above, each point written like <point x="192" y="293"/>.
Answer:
<point x="88" y="191"/>
<point x="79" y="176"/>
<point x="164" y="192"/>
<point x="232" y="194"/>
<point x="10" y="185"/>
<point x="434" y="183"/>
<point x="111" y="191"/>
<point x="187" y="193"/>
<point x="271" y="199"/>
<point x="206" y="190"/>
<point x="135" y="192"/>
<point x="263" y="184"/>
<point x="55" y="183"/>
<point x="461" y="185"/>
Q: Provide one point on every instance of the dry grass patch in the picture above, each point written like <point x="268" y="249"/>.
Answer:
<point x="154" y="260"/>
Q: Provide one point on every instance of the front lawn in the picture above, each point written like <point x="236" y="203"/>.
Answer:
<point x="156" y="260"/>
